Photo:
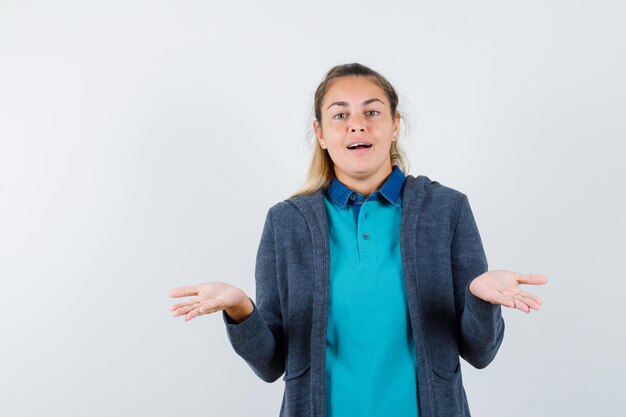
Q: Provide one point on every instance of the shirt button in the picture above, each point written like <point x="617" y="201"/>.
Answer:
<point x="366" y="236"/>
<point x="352" y="197"/>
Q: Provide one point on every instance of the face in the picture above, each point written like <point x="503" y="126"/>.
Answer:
<point x="356" y="111"/>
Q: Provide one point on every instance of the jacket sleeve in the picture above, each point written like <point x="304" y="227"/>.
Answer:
<point x="259" y="338"/>
<point x="480" y="326"/>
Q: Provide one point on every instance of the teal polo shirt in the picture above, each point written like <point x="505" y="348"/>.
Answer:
<point x="371" y="364"/>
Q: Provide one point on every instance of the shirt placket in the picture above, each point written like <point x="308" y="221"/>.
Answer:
<point x="365" y="239"/>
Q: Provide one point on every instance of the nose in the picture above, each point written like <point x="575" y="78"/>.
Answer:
<point x="357" y="124"/>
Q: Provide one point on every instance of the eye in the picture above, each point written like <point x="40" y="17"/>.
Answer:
<point x="340" y="116"/>
<point x="372" y="112"/>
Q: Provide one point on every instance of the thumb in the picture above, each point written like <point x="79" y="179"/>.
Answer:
<point x="532" y="279"/>
<point x="184" y="291"/>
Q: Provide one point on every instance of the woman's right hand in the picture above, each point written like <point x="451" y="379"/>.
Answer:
<point x="210" y="298"/>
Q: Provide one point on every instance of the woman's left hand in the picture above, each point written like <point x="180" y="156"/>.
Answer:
<point x="503" y="287"/>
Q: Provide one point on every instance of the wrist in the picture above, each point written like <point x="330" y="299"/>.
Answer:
<point x="242" y="311"/>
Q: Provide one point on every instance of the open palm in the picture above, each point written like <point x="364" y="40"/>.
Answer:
<point x="209" y="298"/>
<point x="503" y="287"/>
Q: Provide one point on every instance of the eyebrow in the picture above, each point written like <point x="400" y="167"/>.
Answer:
<point x="345" y="104"/>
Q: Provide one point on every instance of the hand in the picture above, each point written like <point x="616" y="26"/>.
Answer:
<point x="210" y="298"/>
<point x="502" y="287"/>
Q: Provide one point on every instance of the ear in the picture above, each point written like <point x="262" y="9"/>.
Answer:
<point x="319" y="134"/>
<point x="396" y="126"/>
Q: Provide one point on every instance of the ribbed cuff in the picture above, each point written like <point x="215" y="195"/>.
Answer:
<point x="247" y="329"/>
<point x="483" y="310"/>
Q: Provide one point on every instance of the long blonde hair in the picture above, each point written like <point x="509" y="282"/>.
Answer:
<point x="321" y="171"/>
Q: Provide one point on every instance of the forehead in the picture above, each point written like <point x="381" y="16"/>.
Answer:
<point x="354" y="88"/>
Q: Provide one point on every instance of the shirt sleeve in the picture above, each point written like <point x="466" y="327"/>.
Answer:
<point x="481" y="326"/>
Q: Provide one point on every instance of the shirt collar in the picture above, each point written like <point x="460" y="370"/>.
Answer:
<point x="391" y="190"/>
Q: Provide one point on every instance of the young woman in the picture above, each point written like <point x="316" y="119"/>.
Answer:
<point x="370" y="284"/>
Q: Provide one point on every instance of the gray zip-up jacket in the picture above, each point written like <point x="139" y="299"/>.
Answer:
<point x="441" y="253"/>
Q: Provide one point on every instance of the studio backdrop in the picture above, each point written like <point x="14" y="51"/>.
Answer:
<point x="142" y="143"/>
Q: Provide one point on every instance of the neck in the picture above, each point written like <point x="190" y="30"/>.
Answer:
<point x="365" y="185"/>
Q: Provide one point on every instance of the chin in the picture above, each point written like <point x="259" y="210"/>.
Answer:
<point x="361" y="174"/>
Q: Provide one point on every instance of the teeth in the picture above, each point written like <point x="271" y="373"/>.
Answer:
<point x="357" y="144"/>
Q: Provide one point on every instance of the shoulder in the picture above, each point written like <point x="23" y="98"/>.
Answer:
<point x="433" y="202"/>
<point x="296" y="209"/>
<point x="432" y="192"/>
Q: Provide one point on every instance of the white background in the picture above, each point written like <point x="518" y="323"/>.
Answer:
<point x="142" y="142"/>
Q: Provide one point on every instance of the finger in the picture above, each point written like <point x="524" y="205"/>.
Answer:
<point x="184" y="310"/>
<point x="533" y="297"/>
<point x="532" y="279"/>
<point x="209" y="308"/>
<point x="190" y="315"/>
<point x="504" y="301"/>
<point x="193" y="314"/>
<point x="530" y="303"/>
<point x="211" y="305"/>
<point x="521" y="306"/>
<point x="184" y="291"/>
<point x="185" y="304"/>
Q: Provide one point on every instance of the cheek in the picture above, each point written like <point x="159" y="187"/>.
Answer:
<point x="334" y="134"/>
<point x="326" y="131"/>
<point x="385" y="131"/>
<point x="333" y="128"/>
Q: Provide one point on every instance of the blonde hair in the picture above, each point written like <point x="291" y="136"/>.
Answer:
<point x="321" y="171"/>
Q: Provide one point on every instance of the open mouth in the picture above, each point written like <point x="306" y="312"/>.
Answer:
<point x="361" y="145"/>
